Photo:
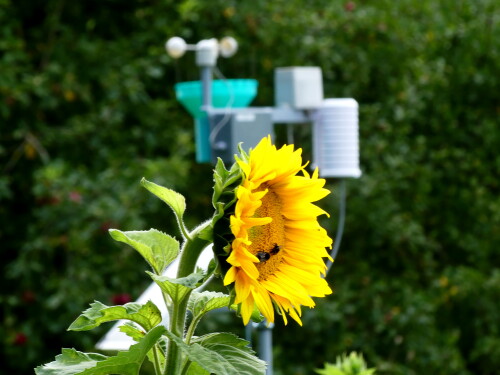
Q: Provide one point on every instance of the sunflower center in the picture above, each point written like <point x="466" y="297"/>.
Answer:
<point x="268" y="240"/>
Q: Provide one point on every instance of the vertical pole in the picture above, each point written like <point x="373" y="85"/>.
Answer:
<point x="266" y="345"/>
<point x="203" y="140"/>
<point x="289" y="134"/>
<point x="340" y="225"/>
<point x="206" y="86"/>
<point x="206" y="58"/>
<point x="248" y="332"/>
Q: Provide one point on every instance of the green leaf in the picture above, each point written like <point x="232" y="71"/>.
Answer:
<point x="220" y="175"/>
<point x="223" y="200"/>
<point x="256" y="316"/>
<point x="72" y="362"/>
<point x="223" y="181"/>
<point x="352" y="364"/>
<point x="221" y="354"/>
<point x="175" y="200"/>
<point x="196" y="369"/>
<point x="157" y="248"/>
<point x="201" y="303"/>
<point x="131" y="330"/>
<point x="147" y="316"/>
<point x="330" y="370"/>
<point x="207" y="233"/>
<point x="179" y="288"/>
<point x="235" y="174"/>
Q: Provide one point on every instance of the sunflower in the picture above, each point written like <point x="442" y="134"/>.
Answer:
<point x="276" y="256"/>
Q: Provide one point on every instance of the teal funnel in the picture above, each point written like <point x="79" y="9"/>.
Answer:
<point x="231" y="93"/>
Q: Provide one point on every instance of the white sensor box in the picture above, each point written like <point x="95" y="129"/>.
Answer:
<point x="298" y="87"/>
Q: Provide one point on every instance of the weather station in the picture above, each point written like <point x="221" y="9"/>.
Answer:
<point x="223" y="118"/>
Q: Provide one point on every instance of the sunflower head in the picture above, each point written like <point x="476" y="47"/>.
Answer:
<point x="267" y="237"/>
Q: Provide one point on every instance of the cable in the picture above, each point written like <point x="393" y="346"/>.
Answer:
<point x="289" y="134"/>
<point x="340" y="226"/>
<point x="227" y="115"/>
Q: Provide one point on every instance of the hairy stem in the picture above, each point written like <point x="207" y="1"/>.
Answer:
<point x="158" y="369"/>
<point x="192" y="327"/>
<point x="191" y="250"/>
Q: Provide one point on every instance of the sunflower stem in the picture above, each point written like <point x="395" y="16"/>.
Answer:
<point x="192" y="248"/>
<point x="192" y="327"/>
<point x="156" y="361"/>
<point x="185" y="368"/>
<point x="184" y="230"/>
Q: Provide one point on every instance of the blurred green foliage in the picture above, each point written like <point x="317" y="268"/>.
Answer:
<point x="87" y="109"/>
<point x="352" y="364"/>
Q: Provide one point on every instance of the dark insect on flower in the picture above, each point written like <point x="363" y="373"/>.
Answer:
<point x="262" y="256"/>
<point x="275" y="250"/>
